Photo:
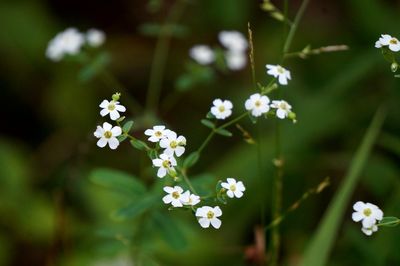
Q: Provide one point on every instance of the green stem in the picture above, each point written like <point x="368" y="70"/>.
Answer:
<point x="160" y="56"/>
<point x="186" y="178"/>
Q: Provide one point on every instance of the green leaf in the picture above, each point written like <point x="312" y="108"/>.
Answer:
<point x="223" y="132"/>
<point x="121" y="138"/>
<point x="210" y="116"/>
<point x="135" y="208"/>
<point x="191" y="159"/>
<point x="208" y="123"/>
<point x="169" y="230"/>
<point x="127" y="126"/>
<point x="94" y="67"/>
<point x="152" y="153"/>
<point x="118" y="181"/>
<point x="140" y="145"/>
<point x="389" y="221"/>
<point x="317" y="253"/>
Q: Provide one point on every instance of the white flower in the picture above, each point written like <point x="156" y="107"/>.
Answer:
<point x="157" y="133"/>
<point x="107" y="134"/>
<point x="258" y="104"/>
<point x="202" y="54"/>
<point x="368" y="231"/>
<point x="233" y="188"/>
<point x="233" y="40"/>
<point x="165" y="163"/>
<point x="221" y="109"/>
<point x="68" y="42"/>
<point x="387" y="40"/>
<point x="367" y="213"/>
<point x="95" y="37"/>
<point x="113" y="108"/>
<point x="279" y="72"/>
<point x="175" y="196"/>
<point x="236" y="60"/>
<point x="282" y="108"/>
<point x="207" y="215"/>
<point x="173" y="144"/>
<point x="192" y="199"/>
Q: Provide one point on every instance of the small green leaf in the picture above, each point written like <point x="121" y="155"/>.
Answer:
<point x="140" y="145"/>
<point x="127" y="126"/>
<point x="135" y="208"/>
<point x="191" y="159"/>
<point x="389" y="221"/>
<point x="118" y="181"/>
<point x="223" y="132"/>
<point x="121" y="119"/>
<point x="208" y="123"/>
<point x="152" y="153"/>
<point x="210" y="115"/>
<point x="121" y="138"/>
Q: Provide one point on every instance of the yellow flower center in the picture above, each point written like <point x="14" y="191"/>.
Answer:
<point x="393" y="41"/>
<point x="173" y="144"/>
<point x="166" y="164"/>
<point x="281" y="70"/>
<point x="175" y="195"/>
<point x="111" y="107"/>
<point x="108" y="134"/>
<point x="232" y="187"/>
<point x="283" y="105"/>
<point x="367" y="212"/>
<point x="158" y="134"/>
<point x="210" y="215"/>
<point x="257" y="103"/>
<point x="221" y="108"/>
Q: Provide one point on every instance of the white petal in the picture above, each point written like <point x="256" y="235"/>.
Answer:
<point x="230" y="194"/>
<point x="102" y="142"/>
<point x="179" y="151"/>
<point x="378" y="214"/>
<point x="157" y="162"/>
<point x="366" y="231"/>
<point x="359" y="206"/>
<point x="104" y="104"/>
<point x="357" y="216"/>
<point x="368" y="222"/>
<point x="116" y="131"/>
<point x="200" y="212"/>
<point x="217" y="211"/>
<point x="216" y="223"/>
<point x="177" y="203"/>
<point x="231" y="181"/>
<point x="99" y="132"/>
<point x="167" y="199"/>
<point x="225" y="185"/>
<point x="395" y="47"/>
<point x="114" y="115"/>
<point x="168" y="189"/>
<point x="113" y="143"/>
<point x="204" y="222"/>
<point x="282" y="80"/>
<point x="161" y="172"/>
<point x="107" y="126"/>
<point x="120" y="108"/>
<point x="104" y="112"/>
<point x="281" y="113"/>
<point x="238" y="193"/>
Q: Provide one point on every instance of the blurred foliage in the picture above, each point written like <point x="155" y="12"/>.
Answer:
<point x="63" y="201"/>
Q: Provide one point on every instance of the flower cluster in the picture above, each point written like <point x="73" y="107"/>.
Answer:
<point x="70" y="42"/>
<point x="388" y="41"/>
<point x="368" y="214"/>
<point x="106" y="133"/>
<point x="235" y="54"/>
<point x="177" y="198"/>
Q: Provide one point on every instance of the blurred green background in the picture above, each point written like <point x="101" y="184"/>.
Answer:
<point x="50" y="212"/>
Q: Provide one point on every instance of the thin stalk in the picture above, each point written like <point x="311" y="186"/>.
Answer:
<point x="160" y="56"/>
<point x="186" y="178"/>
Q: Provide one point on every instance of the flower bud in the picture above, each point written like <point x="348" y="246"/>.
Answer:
<point x="394" y="66"/>
<point x="116" y="96"/>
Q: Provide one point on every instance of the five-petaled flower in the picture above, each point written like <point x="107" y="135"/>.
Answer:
<point x="233" y="188"/>
<point x="279" y="72"/>
<point x="282" y="108"/>
<point x="258" y="104"/>
<point x="208" y="215"/>
<point x="165" y="163"/>
<point x="113" y="108"/>
<point x="108" y="134"/>
<point x="387" y="40"/>
<point x="175" y="196"/>
<point x="157" y="133"/>
<point x="192" y="199"/>
<point x="368" y="213"/>
<point x="173" y="144"/>
<point x="202" y="54"/>
<point x="221" y="109"/>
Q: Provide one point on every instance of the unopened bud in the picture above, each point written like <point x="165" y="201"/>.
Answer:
<point x="116" y="96"/>
<point x="394" y="66"/>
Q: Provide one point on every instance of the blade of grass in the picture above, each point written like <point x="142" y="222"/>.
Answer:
<point x="317" y="252"/>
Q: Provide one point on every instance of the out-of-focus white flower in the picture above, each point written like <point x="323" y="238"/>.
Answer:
<point x="221" y="109"/>
<point x="202" y="54"/>
<point x="233" y="40"/>
<point x="175" y="196"/>
<point x="192" y="199"/>
<point x="258" y="104"/>
<point x="113" y="108"/>
<point x="173" y="144"/>
<point x="233" y="188"/>
<point x="282" y="108"/>
<point x="165" y="163"/>
<point x="107" y="134"/>
<point x="68" y="42"/>
<point x="279" y="72"/>
<point x="387" y="40"/>
<point x="157" y="133"/>
<point x="370" y="230"/>
<point x="208" y="215"/>
<point x="236" y="60"/>
<point x="367" y="213"/>
<point x="95" y="37"/>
